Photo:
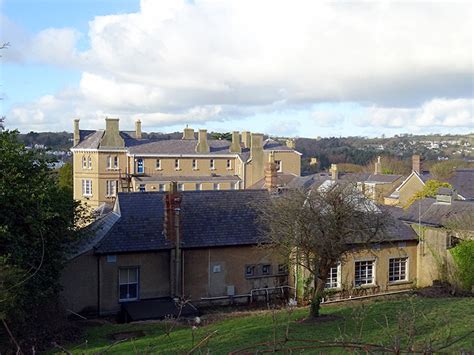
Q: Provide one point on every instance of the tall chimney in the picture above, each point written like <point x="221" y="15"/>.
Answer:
<point x="76" y="135"/>
<point x="235" y="146"/>
<point x="416" y="163"/>
<point x="334" y="173"/>
<point x="202" y="146"/>
<point x="172" y="229"/>
<point x="271" y="173"/>
<point x="378" y="166"/>
<point x="112" y="138"/>
<point x="257" y="157"/>
<point x="138" y="129"/>
<point x="188" y="133"/>
<point x="246" y="139"/>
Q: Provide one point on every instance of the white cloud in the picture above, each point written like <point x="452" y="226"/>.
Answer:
<point x="174" y="59"/>
<point x="327" y="118"/>
<point x="436" y="113"/>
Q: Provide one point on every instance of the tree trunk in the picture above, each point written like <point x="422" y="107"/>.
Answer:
<point x="317" y="297"/>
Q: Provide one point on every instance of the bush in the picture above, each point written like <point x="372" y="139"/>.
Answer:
<point x="463" y="255"/>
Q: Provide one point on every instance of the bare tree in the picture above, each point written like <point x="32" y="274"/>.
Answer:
<point x="315" y="229"/>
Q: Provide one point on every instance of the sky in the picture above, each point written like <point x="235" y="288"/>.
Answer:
<point x="285" y="68"/>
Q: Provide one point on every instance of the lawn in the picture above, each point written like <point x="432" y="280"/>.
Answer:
<point x="435" y="320"/>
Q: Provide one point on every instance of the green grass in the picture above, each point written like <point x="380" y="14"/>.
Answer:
<point x="375" y="322"/>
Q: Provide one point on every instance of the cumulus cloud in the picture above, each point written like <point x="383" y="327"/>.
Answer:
<point x="327" y="118"/>
<point x="174" y="59"/>
<point x="436" y="113"/>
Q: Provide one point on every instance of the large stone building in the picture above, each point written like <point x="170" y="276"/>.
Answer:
<point x="108" y="161"/>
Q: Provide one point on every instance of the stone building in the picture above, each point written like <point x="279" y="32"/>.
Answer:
<point x="109" y="161"/>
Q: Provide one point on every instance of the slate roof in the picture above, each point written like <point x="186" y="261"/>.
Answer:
<point x="282" y="180"/>
<point x="208" y="219"/>
<point x="429" y="211"/>
<point x="91" y="140"/>
<point x="383" y="178"/>
<point x="462" y="180"/>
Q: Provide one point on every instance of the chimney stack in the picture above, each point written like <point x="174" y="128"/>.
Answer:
<point x="246" y="139"/>
<point x="172" y="229"/>
<point x="76" y="135"/>
<point x="112" y="138"/>
<point x="138" y="129"/>
<point x="235" y="146"/>
<point x="334" y="173"/>
<point x="202" y="146"/>
<point x="188" y="133"/>
<point x="271" y="173"/>
<point x="416" y="163"/>
<point x="378" y="166"/>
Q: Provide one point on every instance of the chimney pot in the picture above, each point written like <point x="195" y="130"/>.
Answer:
<point x="188" y="133"/>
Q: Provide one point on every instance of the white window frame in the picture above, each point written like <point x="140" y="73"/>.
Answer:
<point x="115" y="162"/>
<point x="86" y="187"/>
<point x="212" y="164"/>
<point x="137" y="275"/>
<point x="279" y="165"/>
<point x="111" y="188"/>
<point x="235" y="185"/>
<point x="397" y="259"/>
<point x="158" y="164"/>
<point x="138" y="166"/>
<point x="363" y="274"/>
<point x="177" y="164"/>
<point x="195" y="164"/>
<point x="334" y="277"/>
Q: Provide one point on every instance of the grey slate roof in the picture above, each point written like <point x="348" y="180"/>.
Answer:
<point x="430" y="212"/>
<point x="383" y="178"/>
<point x="462" y="181"/>
<point x="208" y="219"/>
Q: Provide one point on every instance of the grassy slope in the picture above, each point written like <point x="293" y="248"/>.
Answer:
<point x="435" y="318"/>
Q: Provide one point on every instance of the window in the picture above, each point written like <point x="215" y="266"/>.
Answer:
<point x="158" y="164"/>
<point x="229" y="164"/>
<point x="216" y="186"/>
<point x="161" y="187"/>
<point x="128" y="284"/>
<point x="142" y="188"/>
<point x="195" y="164"/>
<point x="180" y="187"/>
<point x="249" y="270"/>
<point x="89" y="162"/>
<point x="176" y="164"/>
<point x="140" y="166"/>
<point x="397" y="269"/>
<point x="364" y="272"/>
<point x="112" y="258"/>
<point x="87" y="187"/>
<point x="216" y="268"/>
<point x="278" y="165"/>
<point x="115" y="162"/>
<point x="282" y="269"/>
<point x="84" y="162"/>
<point x="198" y="187"/>
<point x="235" y="185"/>
<point x="266" y="269"/>
<point x="111" y="188"/>
<point x="334" y="280"/>
<point x="112" y="162"/>
<point x="212" y="164"/>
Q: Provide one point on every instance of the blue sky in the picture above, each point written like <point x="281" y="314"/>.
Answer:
<point x="302" y="69"/>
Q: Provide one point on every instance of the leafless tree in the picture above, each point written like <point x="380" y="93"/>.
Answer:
<point x="315" y="229"/>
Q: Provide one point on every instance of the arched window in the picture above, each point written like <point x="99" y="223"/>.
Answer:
<point x="84" y="162"/>
<point x="89" y="162"/>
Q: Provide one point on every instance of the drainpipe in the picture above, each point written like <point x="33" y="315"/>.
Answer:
<point x="98" y="285"/>
<point x="177" y="253"/>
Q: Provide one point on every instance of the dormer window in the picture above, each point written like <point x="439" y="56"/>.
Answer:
<point x="212" y="164"/>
